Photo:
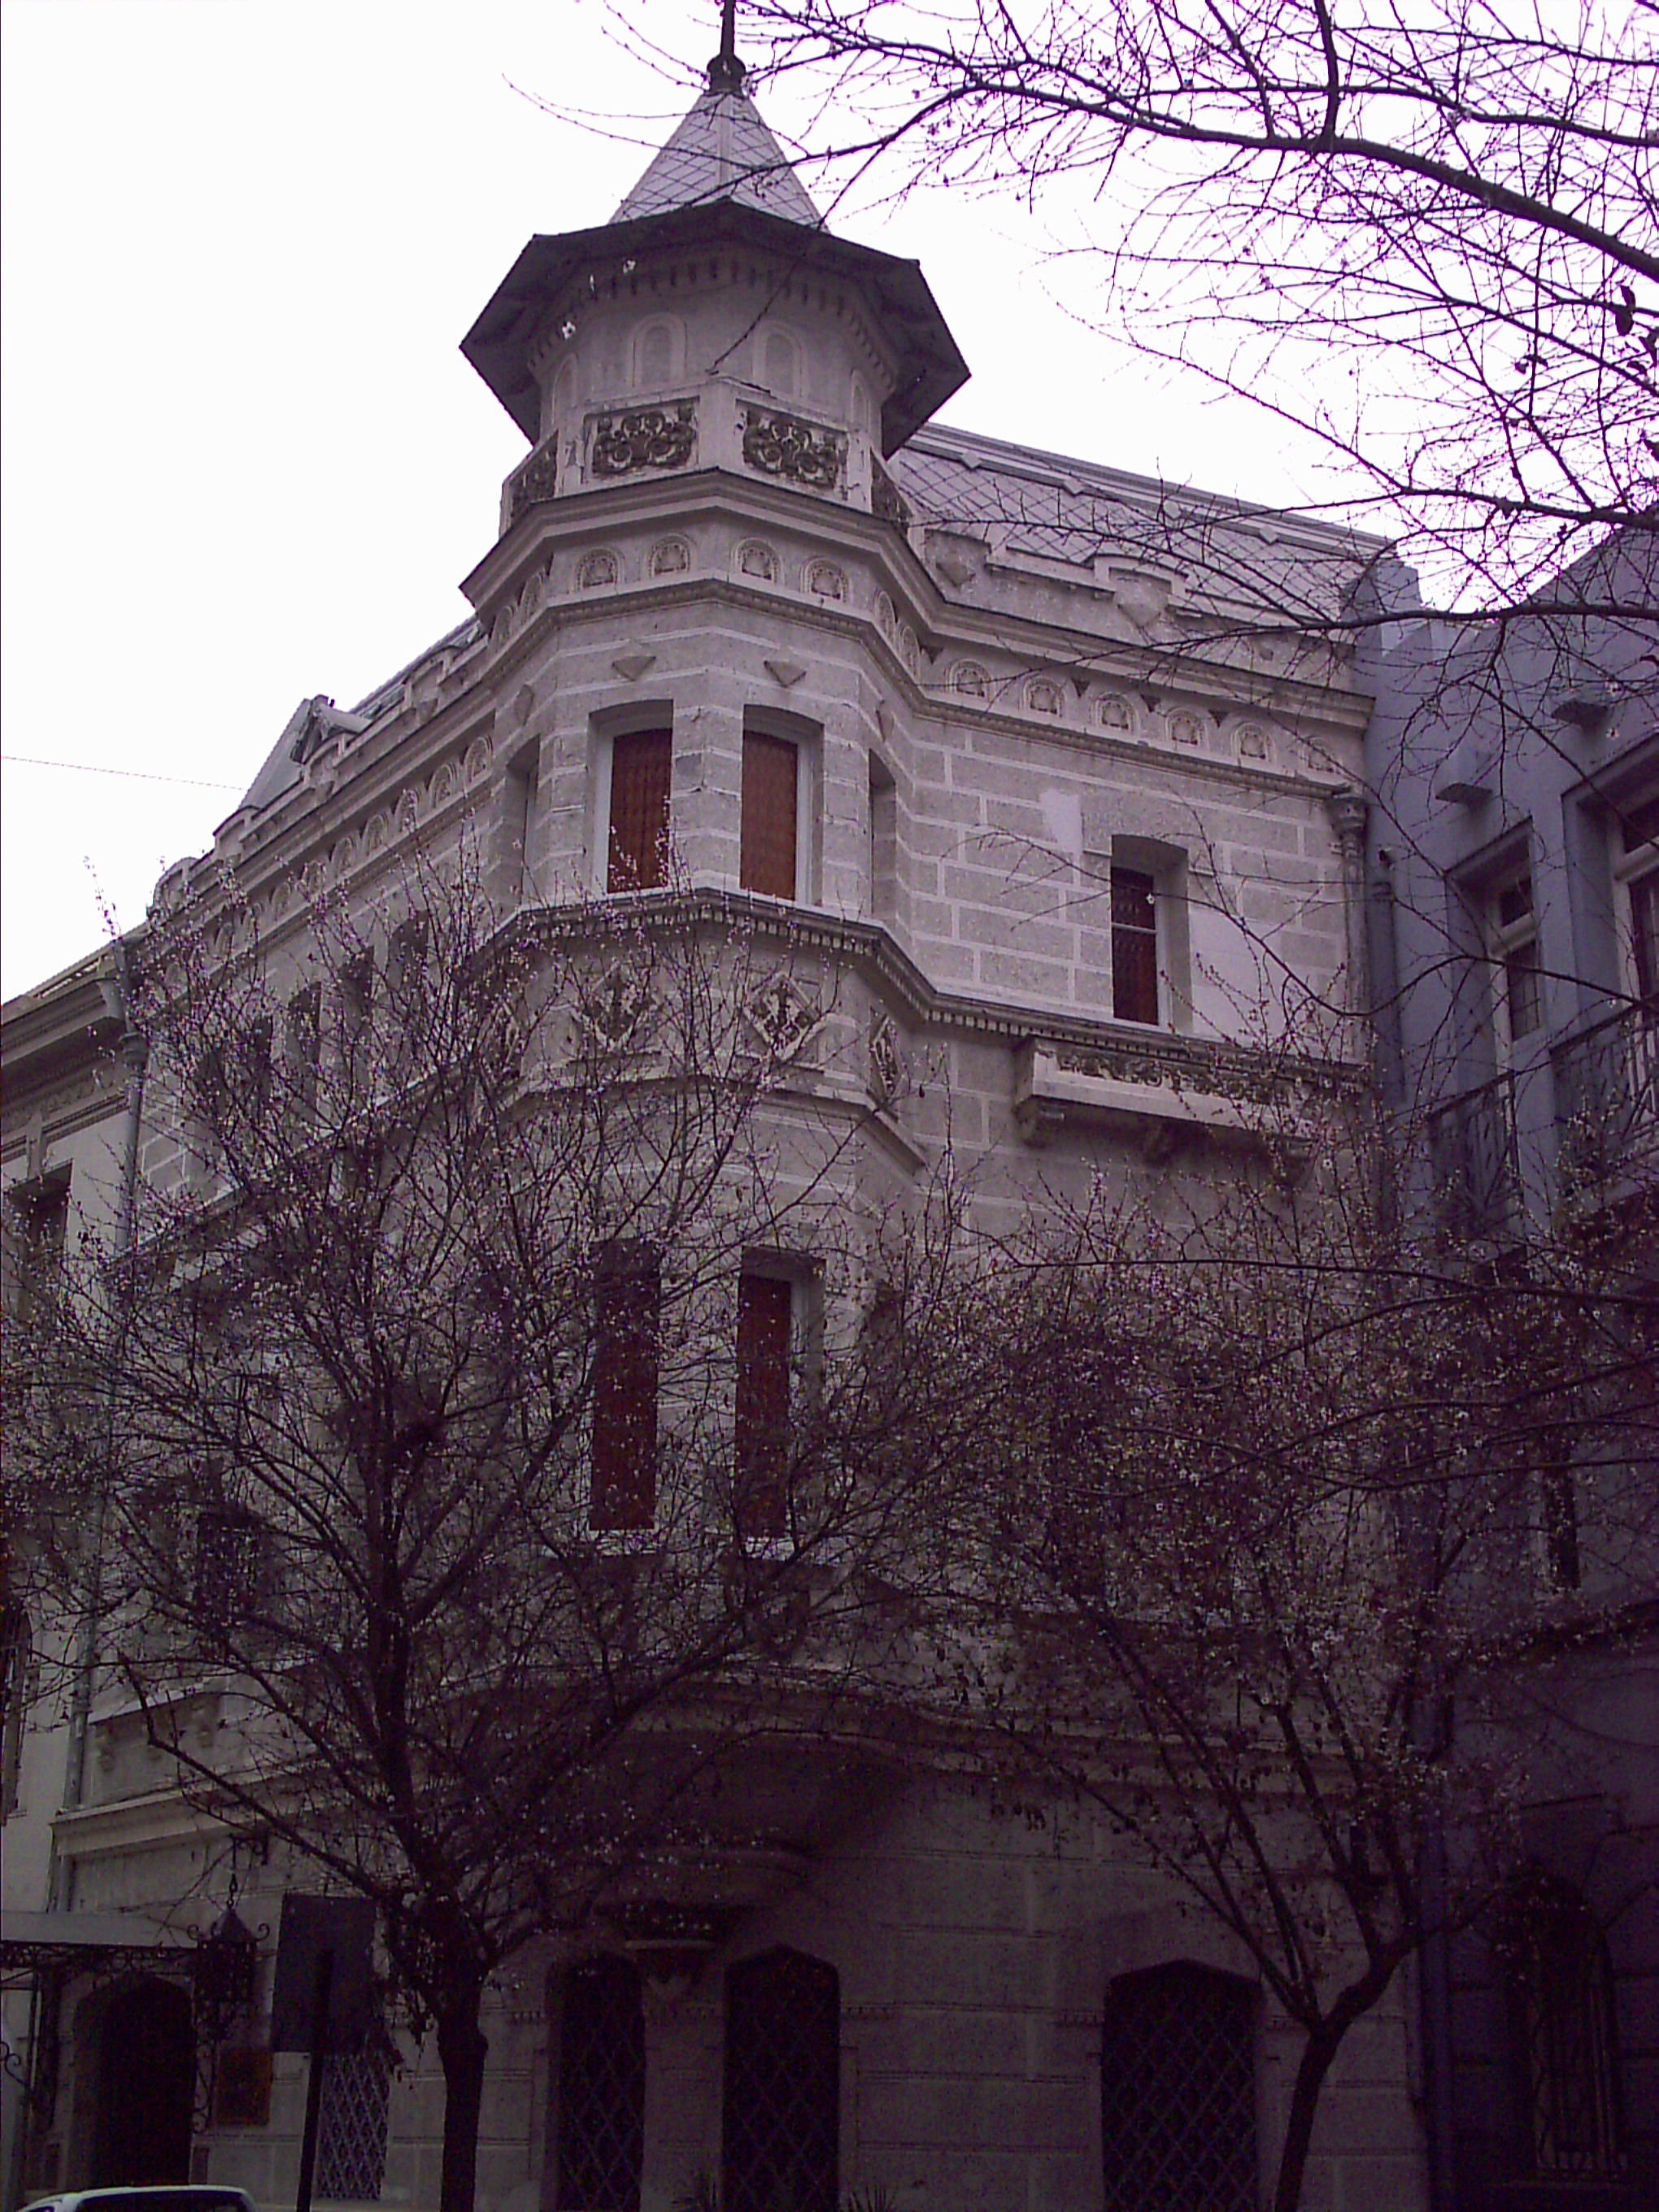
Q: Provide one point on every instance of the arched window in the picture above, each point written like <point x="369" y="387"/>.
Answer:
<point x="600" y="2135"/>
<point x="654" y="350"/>
<point x="1562" y="2029"/>
<point x="1177" y="2093"/>
<point x="781" y="2129"/>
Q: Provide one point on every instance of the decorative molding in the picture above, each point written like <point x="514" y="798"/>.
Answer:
<point x="783" y="1016"/>
<point x="778" y="445"/>
<point x="630" y="666"/>
<point x="536" y="481"/>
<point x="787" y="672"/>
<point x="644" y="438"/>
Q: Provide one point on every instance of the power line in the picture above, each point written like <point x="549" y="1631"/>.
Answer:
<point x="138" y="775"/>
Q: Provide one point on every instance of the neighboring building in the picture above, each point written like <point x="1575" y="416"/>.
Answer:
<point x="1076" y="841"/>
<point x="1514" y="882"/>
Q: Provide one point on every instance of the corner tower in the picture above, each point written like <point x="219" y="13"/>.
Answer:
<point x="713" y="323"/>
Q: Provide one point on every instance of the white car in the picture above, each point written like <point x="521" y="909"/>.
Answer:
<point x="150" y="2197"/>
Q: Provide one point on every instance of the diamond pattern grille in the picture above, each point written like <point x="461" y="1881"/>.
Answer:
<point x="783" y="2116"/>
<point x="351" y="2123"/>
<point x="601" y="2141"/>
<point x="1178" y="2090"/>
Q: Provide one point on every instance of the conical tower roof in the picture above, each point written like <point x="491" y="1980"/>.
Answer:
<point x="721" y="151"/>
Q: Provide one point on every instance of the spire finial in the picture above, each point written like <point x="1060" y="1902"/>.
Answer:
<point x="726" y="70"/>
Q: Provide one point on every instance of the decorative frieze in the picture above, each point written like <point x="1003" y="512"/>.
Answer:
<point x="536" y="481"/>
<point x="644" y="438"/>
<point x="783" y="445"/>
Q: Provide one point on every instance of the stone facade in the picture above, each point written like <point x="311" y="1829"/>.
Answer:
<point x="1003" y="678"/>
<point x="1514" y="899"/>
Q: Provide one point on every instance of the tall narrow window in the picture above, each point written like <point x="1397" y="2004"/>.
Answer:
<point x="16" y="1652"/>
<point x="765" y="1338"/>
<point x="39" y="1215"/>
<point x="600" y="2135"/>
<point x="1638" y="878"/>
<point x="641" y="765"/>
<point x="1560" y="1985"/>
<point x="351" y="2135"/>
<point x="770" y="834"/>
<point x="1513" y="927"/>
<point x="627" y="1303"/>
<point x="408" y="983"/>
<point x="356" y="1012"/>
<point x="305" y="1044"/>
<point x="229" y="1562"/>
<point x="1177" y="2093"/>
<point x="781" y="2133"/>
<point x="883" y="842"/>
<point x="1134" y="945"/>
<point x="520" y="796"/>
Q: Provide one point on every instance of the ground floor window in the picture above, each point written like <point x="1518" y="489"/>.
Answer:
<point x="1177" y="2093"/>
<point x="781" y="2131"/>
<point x="1561" y="2010"/>
<point x="600" y="2132"/>
<point x="351" y="2121"/>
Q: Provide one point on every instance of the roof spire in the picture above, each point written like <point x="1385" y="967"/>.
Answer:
<point x="726" y="71"/>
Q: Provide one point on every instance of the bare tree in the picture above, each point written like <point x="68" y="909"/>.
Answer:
<point x="1268" y="1492"/>
<point x="469" y="1434"/>
<point x="1426" y="241"/>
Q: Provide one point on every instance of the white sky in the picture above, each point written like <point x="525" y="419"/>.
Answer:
<point x="243" y="460"/>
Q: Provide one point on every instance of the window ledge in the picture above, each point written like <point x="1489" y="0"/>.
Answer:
<point x="1157" y="1087"/>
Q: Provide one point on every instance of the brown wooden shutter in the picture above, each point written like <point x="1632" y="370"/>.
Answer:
<point x="765" y="1317"/>
<point x="641" y="765"/>
<point x="627" y="1297"/>
<point x="1134" y="945"/>
<point x="767" y="863"/>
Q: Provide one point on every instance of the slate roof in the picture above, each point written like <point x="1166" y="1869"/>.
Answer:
<point x="1050" y="507"/>
<point x="721" y="151"/>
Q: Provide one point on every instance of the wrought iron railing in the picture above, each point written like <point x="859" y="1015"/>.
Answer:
<point x="1471" y="1149"/>
<point x="1606" y="1096"/>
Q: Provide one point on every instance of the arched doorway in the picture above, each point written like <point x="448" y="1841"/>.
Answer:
<point x="146" y="2086"/>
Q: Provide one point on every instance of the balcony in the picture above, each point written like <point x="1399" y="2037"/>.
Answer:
<point x="1472" y="1150"/>
<point x="1607" y="1102"/>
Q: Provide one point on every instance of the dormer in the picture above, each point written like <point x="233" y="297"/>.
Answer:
<point x="713" y="323"/>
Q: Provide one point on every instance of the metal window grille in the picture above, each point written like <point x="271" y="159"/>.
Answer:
<point x="351" y="2128"/>
<point x="782" y="2132"/>
<point x="601" y="2130"/>
<point x="1561" y="1994"/>
<point x="1177" y="2093"/>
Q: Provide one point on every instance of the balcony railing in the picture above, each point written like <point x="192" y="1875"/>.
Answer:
<point x="1472" y="1147"/>
<point x="1606" y="1097"/>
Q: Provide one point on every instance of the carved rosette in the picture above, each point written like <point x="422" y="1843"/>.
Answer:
<point x="782" y="445"/>
<point x="644" y="438"/>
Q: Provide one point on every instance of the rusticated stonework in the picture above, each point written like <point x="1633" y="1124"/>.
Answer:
<point x="782" y="445"/>
<point x="645" y="438"/>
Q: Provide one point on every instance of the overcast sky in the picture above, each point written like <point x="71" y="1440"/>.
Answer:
<point x="243" y="460"/>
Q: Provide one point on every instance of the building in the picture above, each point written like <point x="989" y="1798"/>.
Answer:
<point x="1026" y="754"/>
<point x="1514" y="887"/>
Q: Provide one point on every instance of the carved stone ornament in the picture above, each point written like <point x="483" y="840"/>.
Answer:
<point x="886" y="1060"/>
<point x="614" y="1012"/>
<point x="782" y="1016"/>
<point x="645" y="438"/>
<point x="886" y="500"/>
<point x="538" y="480"/>
<point x="781" y="446"/>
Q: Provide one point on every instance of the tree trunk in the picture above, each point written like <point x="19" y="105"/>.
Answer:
<point x="462" y="2048"/>
<point x="1317" y="2056"/>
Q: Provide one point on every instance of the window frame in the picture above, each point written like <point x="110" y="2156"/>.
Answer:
<point x="625" y="1366"/>
<point x="1636" y="867"/>
<point x="649" y="718"/>
<point x="806" y="738"/>
<point x="1509" y="939"/>
<point x="796" y="1281"/>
